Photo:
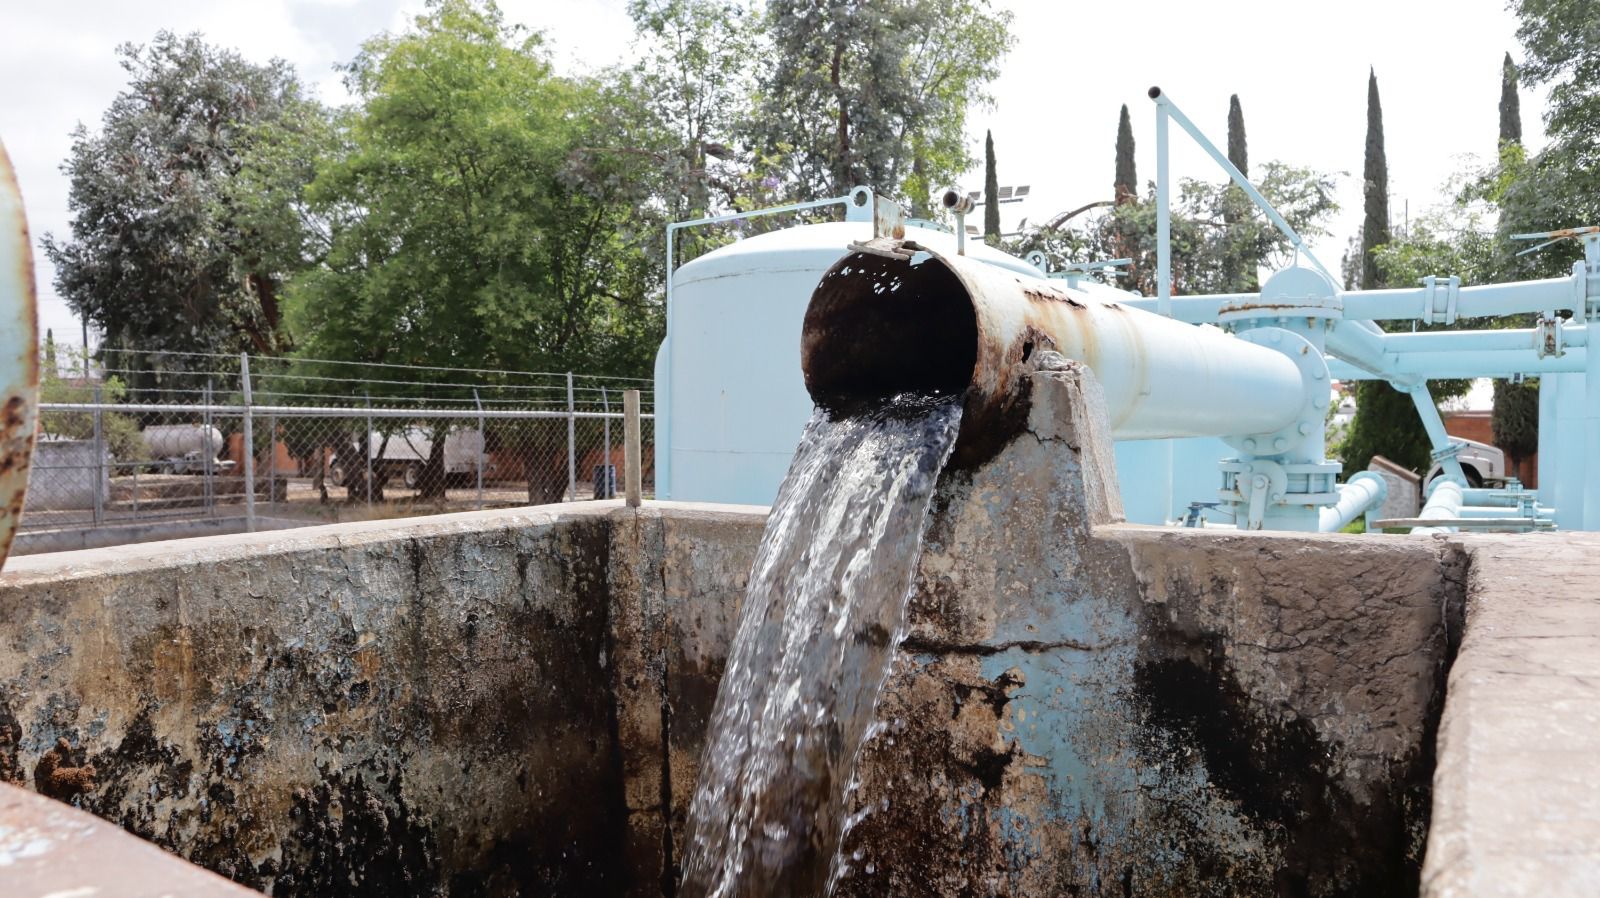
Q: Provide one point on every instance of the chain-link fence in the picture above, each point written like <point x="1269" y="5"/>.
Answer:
<point x="150" y="445"/>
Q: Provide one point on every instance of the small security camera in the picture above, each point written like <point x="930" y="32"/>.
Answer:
<point x="956" y="200"/>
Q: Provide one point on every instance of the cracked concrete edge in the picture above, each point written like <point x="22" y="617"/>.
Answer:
<point x="1514" y="795"/>
<point x="48" y="848"/>
<point x="56" y="567"/>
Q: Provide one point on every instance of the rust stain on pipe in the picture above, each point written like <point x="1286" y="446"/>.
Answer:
<point x="19" y="355"/>
<point x="894" y="317"/>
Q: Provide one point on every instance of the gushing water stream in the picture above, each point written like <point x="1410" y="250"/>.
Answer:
<point x="824" y="611"/>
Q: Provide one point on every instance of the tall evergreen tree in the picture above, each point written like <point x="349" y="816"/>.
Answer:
<point x="1237" y="154"/>
<point x="1515" y="421"/>
<point x="1238" y="265"/>
<point x="1375" y="189"/>
<point x="991" y="193"/>
<point x="1126" y="186"/>
<point x="1386" y="419"/>
<point x="1510" y="106"/>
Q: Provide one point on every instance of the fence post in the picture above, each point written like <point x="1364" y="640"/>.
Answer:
<point x="632" y="463"/>
<point x="249" y="448"/>
<point x="206" y="456"/>
<point x="101" y="463"/>
<point x="366" y="448"/>
<point x="272" y="463"/>
<point x="572" y="441"/>
<point x="607" y="490"/>
<point x="483" y="444"/>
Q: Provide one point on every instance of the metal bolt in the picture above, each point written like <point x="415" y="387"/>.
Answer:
<point x="1280" y="444"/>
<point x="1305" y="427"/>
<point x="1249" y="444"/>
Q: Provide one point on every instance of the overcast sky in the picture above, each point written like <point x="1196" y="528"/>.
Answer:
<point x="1300" y="73"/>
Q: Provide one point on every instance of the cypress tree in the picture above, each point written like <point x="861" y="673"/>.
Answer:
<point x="1237" y="154"/>
<point x="1375" y="176"/>
<point x="1515" y="420"/>
<point x="1510" y="106"/>
<point x="1386" y="420"/>
<point x="991" y="192"/>
<point x="1126" y="187"/>
<point x="1238" y="261"/>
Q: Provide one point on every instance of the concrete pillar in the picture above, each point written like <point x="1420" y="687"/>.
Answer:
<point x="1073" y="692"/>
<point x="1549" y="462"/>
<point x="1591" y="429"/>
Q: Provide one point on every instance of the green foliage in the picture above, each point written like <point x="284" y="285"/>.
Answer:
<point x="1238" y="266"/>
<point x="69" y="381"/>
<point x="1125" y="186"/>
<point x="991" y="192"/>
<point x="1516" y="419"/>
<point x="1374" y="190"/>
<point x="1386" y="423"/>
<point x="489" y="213"/>
<point x="1206" y="232"/>
<point x="162" y="256"/>
<point x="697" y="63"/>
<point x="861" y="92"/>
<point x="1510" y="104"/>
<point x="1238" y="152"/>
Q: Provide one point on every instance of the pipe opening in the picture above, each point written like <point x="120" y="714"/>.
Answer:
<point x="877" y="327"/>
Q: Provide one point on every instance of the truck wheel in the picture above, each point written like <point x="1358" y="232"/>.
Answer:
<point x="412" y="476"/>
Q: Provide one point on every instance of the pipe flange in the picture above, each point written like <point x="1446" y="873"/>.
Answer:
<point x="1306" y="427"/>
<point x="1292" y="293"/>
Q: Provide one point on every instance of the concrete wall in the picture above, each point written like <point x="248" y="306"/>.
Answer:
<point x="514" y="702"/>
<point x="387" y="708"/>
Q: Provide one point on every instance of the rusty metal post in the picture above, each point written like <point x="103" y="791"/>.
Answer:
<point x="249" y="447"/>
<point x="572" y="441"/>
<point x="366" y="448"/>
<point x="272" y="464"/>
<point x="483" y="444"/>
<point x="208" y="486"/>
<point x="19" y="355"/>
<point x="100" y="473"/>
<point x="632" y="460"/>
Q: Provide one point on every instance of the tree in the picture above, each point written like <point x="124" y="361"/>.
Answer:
<point x="1238" y="270"/>
<point x="1238" y="154"/>
<point x="1560" y="186"/>
<point x="1515" y="420"/>
<point x="991" y="193"/>
<point x="1202" y="239"/>
<point x="1125" y="186"/>
<point x="1386" y="420"/>
<point x="1374" y="190"/>
<point x="862" y="92"/>
<point x="489" y="214"/>
<point x="697" y="62"/>
<point x="160" y="257"/>
<point x="1510" y="105"/>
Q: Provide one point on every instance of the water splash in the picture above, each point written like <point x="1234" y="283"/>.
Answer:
<point x="823" y="614"/>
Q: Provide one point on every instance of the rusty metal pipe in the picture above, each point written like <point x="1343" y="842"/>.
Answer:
<point x="894" y="317"/>
<point x="19" y="355"/>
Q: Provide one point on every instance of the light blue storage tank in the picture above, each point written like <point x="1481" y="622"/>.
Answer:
<point x="730" y="398"/>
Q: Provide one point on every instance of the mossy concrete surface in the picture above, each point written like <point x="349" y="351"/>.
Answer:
<point x="514" y="702"/>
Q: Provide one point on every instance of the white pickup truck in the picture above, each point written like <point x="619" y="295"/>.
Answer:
<point x="406" y="451"/>
<point x="1483" y="464"/>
